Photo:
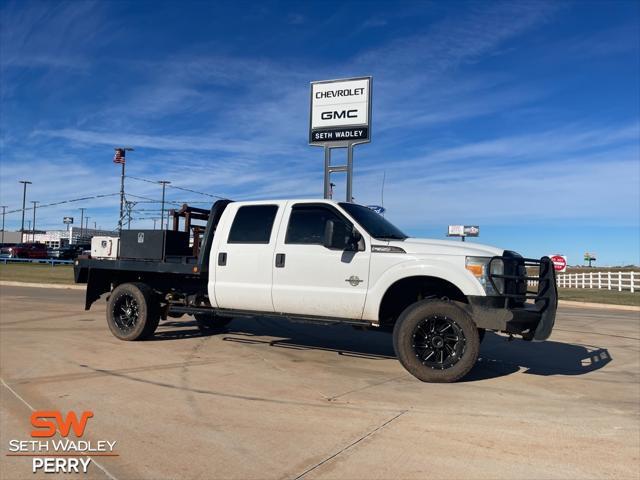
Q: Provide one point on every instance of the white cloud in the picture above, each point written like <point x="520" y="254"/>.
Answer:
<point x="52" y="34"/>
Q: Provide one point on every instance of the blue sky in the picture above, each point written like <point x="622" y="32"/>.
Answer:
<point x="522" y="117"/>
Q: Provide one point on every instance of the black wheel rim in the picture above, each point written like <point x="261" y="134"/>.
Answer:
<point x="126" y="313"/>
<point x="438" y="342"/>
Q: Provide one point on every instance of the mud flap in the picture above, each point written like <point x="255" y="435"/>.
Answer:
<point x="97" y="284"/>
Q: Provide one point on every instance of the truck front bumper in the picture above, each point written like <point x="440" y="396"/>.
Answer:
<point x="512" y="312"/>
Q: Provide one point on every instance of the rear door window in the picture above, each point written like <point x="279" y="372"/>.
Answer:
<point x="253" y="224"/>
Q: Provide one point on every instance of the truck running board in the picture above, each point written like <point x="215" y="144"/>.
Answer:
<point x="273" y="315"/>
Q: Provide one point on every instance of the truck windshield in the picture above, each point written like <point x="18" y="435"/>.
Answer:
<point x="373" y="223"/>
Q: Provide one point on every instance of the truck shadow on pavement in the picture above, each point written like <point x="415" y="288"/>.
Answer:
<point x="498" y="356"/>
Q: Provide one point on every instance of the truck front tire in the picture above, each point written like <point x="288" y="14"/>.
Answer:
<point x="436" y="341"/>
<point x="133" y="311"/>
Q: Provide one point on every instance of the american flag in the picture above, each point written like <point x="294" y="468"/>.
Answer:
<point x="119" y="156"/>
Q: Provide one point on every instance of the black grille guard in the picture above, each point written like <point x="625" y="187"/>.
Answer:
<point x="545" y="300"/>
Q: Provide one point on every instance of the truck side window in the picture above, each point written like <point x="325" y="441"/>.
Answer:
<point x="307" y="223"/>
<point x="253" y="224"/>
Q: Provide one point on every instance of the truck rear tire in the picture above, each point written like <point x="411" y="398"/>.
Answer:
<point x="133" y="312"/>
<point x="436" y="341"/>
<point x="210" y="322"/>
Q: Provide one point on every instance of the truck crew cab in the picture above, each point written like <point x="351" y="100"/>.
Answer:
<point x="324" y="262"/>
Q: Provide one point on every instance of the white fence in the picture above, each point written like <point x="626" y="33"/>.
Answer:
<point x="602" y="280"/>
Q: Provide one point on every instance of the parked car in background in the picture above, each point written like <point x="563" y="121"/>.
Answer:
<point x="4" y="249"/>
<point x="25" y="250"/>
<point x="68" y="252"/>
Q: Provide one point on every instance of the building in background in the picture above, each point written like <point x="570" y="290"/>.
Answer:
<point x="73" y="236"/>
<point x="10" y="237"/>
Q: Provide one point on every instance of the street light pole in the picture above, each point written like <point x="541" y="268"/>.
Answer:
<point x="81" y="221"/>
<point x="164" y="184"/>
<point x="4" y="207"/>
<point x="24" y="198"/>
<point x="33" y="234"/>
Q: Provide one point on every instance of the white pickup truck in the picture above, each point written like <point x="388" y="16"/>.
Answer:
<point x="324" y="262"/>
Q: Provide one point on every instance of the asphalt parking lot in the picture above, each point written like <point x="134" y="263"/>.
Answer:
<point x="273" y="399"/>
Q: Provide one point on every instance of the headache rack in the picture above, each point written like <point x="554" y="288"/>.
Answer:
<point x="516" y="277"/>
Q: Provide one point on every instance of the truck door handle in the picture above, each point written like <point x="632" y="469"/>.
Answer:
<point x="280" y="260"/>
<point x="222" y="259"/>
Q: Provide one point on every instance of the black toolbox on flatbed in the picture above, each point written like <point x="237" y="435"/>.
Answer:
<point x="153" y="244"/>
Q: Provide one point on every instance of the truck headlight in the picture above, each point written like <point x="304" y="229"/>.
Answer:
<point x="496" y="267"/>
<point x="480" y="267"/>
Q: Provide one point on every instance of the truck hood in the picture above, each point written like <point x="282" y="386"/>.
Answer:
<point x="425" y="246"/>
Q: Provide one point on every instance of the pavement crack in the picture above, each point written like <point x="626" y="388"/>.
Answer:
<point x="351" y="445"/>
<point x="335" y="397"/>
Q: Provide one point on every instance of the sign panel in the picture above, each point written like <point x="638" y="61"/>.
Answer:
<point x="559" y="263"/>
<point x="340" y="111"/>
<point x="67" y="220"/>
<point x="471" y="230"/>
<point x="455" y="231"/>
<point x="463" y="231"/>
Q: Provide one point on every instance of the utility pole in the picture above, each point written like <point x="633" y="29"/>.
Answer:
<point x="33" y="235"/>
<point x="120" y="158"/>
<point x="81" y="220"/>
<point x="164" y="184"/>
<point x="129" y="206"/>
<point x="24" y="198"/>
<point x="4" y="208"/>
<point x="95" y="225"/>
<point x="86" y="226"/>
<point x="154" y="223"/>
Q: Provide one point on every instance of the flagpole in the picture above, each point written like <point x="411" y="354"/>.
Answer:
<point x="120" y="157"/>
<point x="121" y="198"/>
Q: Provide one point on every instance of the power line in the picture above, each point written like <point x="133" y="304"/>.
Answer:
<point x="151" y="200"/>
<point x="176" y="187"/>
<point x="199" y="193"/>
<point x="66" y="201"/>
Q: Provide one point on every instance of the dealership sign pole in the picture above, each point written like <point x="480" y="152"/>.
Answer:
<point x="340" y="117"/>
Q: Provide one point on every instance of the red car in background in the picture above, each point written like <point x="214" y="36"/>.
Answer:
<point x="25" y="250"/>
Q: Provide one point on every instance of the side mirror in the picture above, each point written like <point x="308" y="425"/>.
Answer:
<point x="340" y="236"/>
<point x="330" y="237"/>
<point x="357" y="242"/>
<point x="335" y="235"/>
